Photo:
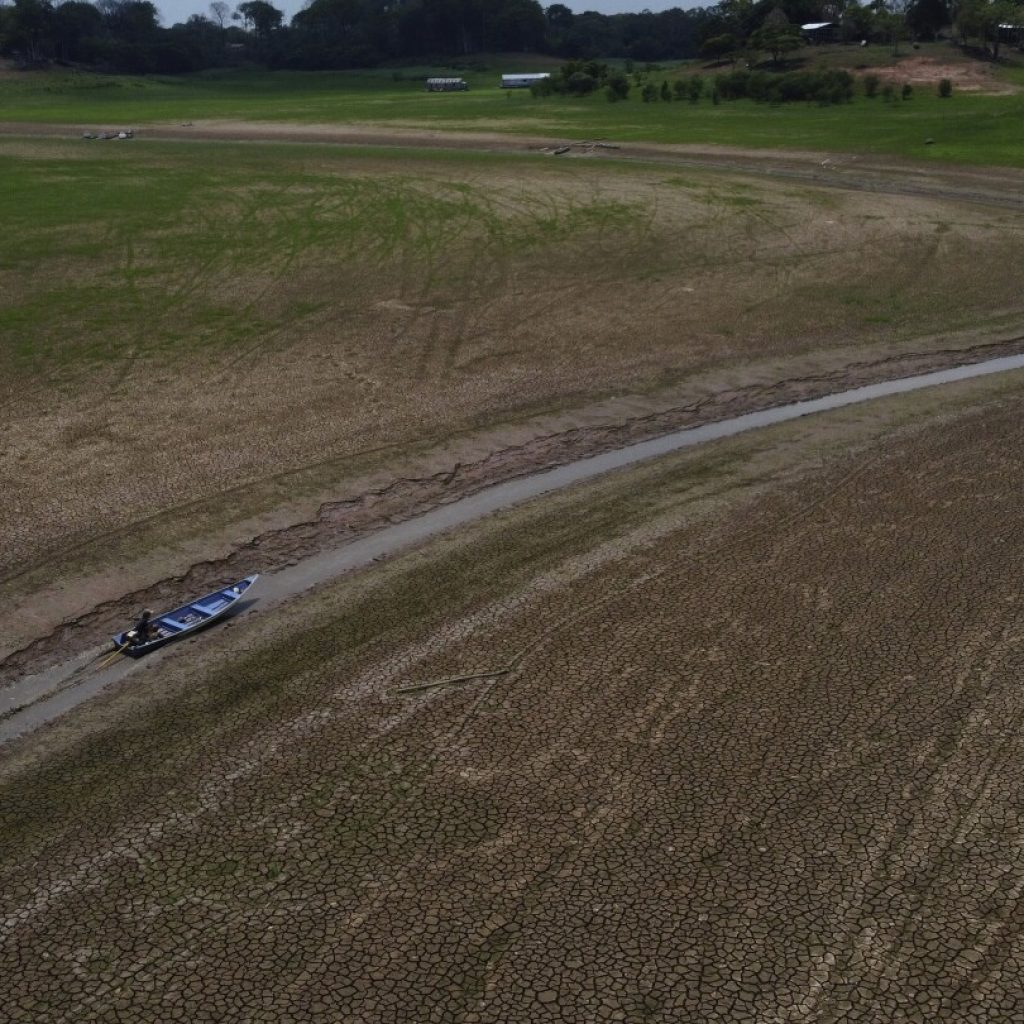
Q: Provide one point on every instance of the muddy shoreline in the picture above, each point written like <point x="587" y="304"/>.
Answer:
<point x="348" y="519"/>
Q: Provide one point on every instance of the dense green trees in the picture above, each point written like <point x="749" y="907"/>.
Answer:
<point x="125" y="35"/>
<point x="925" y="18"/>
<point x="980" y="19"/>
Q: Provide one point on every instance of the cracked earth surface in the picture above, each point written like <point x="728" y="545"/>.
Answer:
<point x="762" y="765"/>
<point x="393" y="347"/>
<point x="341" y="521"/>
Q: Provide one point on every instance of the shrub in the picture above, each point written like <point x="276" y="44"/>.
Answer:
<point x="579" y="83"/>
<point x="732" y="86"/>
<point x="871" y="83"/>
<point x="907" y="91"/>
<point x="580" y="78"/>
<point x="695" y="88"/>
<point x="679" y="87"/>
<point x="618" y="84"/>
<point x="649" y="93"/>
<point x="945" y="88"/>
<point x="888" y="92"/>
<point x="716" y="96"/>
<point x="666" y="93"/>
<point x="824" y="87"/>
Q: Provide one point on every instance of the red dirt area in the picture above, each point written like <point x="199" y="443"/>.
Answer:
<point x="972" y="77"/>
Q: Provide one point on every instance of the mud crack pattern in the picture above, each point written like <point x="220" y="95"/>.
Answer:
<point x="761" y="770"/>
<point x="344" y="520"/>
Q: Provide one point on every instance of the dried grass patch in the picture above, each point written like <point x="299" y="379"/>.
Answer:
<point x="316" y="313"/>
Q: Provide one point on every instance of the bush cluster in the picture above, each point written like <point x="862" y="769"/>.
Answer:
<point x="824" y="87"/>
<point x="582" y="77"/>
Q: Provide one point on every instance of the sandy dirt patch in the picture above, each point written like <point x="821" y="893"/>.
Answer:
<point x="966" y="77"/>
<point x="876" y="173"/>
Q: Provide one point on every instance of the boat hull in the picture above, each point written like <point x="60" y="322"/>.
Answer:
<point x="185" y="620"/>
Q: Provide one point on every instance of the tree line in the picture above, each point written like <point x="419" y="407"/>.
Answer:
<point x="126" y="35"/>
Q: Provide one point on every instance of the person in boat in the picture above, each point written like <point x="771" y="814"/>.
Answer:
<point x="142" y="631"/>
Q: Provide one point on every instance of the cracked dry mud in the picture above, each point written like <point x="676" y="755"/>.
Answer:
<point x="763" y="766"/>
<point x="341" y="521"/>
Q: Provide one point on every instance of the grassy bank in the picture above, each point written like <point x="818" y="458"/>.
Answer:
<point x="974" y="128"/>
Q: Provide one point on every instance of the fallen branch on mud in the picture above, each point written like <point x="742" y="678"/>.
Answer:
<point x="452" y="681"/>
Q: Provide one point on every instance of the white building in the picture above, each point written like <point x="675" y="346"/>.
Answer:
<point x="446" y="85"/>
<point x="522" y="81"/>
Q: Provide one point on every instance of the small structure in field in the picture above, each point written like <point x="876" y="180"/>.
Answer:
<point x="522" y="81"/>
<point x="1012" y="33"/>
<point x="819" y="31"/>
<point x="446" y="85"/>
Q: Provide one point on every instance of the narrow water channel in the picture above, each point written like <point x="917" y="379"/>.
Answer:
<point x="41" y="698"/>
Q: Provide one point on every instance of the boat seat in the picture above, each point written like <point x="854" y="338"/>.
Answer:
<point x="174" y="623"/>
<point x="209" y="609"/>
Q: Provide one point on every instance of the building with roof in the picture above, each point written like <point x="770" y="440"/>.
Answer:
<point x="819" y="31"/>
<point x="446" y="85"/>
<point x="523" y="81"/>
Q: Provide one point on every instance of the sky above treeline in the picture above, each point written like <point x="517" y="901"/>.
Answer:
<point x="181" y="10"/>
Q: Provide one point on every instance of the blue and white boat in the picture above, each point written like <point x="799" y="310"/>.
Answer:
<point x="184" y="621"/>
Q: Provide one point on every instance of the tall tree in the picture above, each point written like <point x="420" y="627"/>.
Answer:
<point x="131" y="21"/>
<point x="776" y="39"/>
<point x="221" y="12"/>
<point x="32" y="27"/>
<point x="261" y="17"/>
<point x="73" y="22"/>
<point x="926" y="17"/>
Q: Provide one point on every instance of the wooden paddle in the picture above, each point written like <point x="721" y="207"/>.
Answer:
<point x="110" y="657"/>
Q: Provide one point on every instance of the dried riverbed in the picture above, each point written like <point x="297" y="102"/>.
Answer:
<point x="341" y="522"/>
<point x="729" y="736"/>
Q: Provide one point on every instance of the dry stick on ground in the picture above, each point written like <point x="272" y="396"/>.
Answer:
<point x="454" y="681"/>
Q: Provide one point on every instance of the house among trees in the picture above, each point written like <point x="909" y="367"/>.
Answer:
<point x="522" y="81"/>
<point x="819" y="31"/>
<point x="1012" y="33"/>
<point x="446" y="85"/>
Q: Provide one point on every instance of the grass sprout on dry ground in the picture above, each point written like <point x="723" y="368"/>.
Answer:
<point x="191" y="249"/>
<point x="358" y="300"/>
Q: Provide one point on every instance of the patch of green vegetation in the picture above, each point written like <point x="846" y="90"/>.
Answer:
<point x="718" y="198"/>
<point x="969" y="128"/>
<point x="195" y="248"/>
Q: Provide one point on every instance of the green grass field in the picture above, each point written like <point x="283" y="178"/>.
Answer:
<point x="968" y="128"/>
<point x="169" y="251"/>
